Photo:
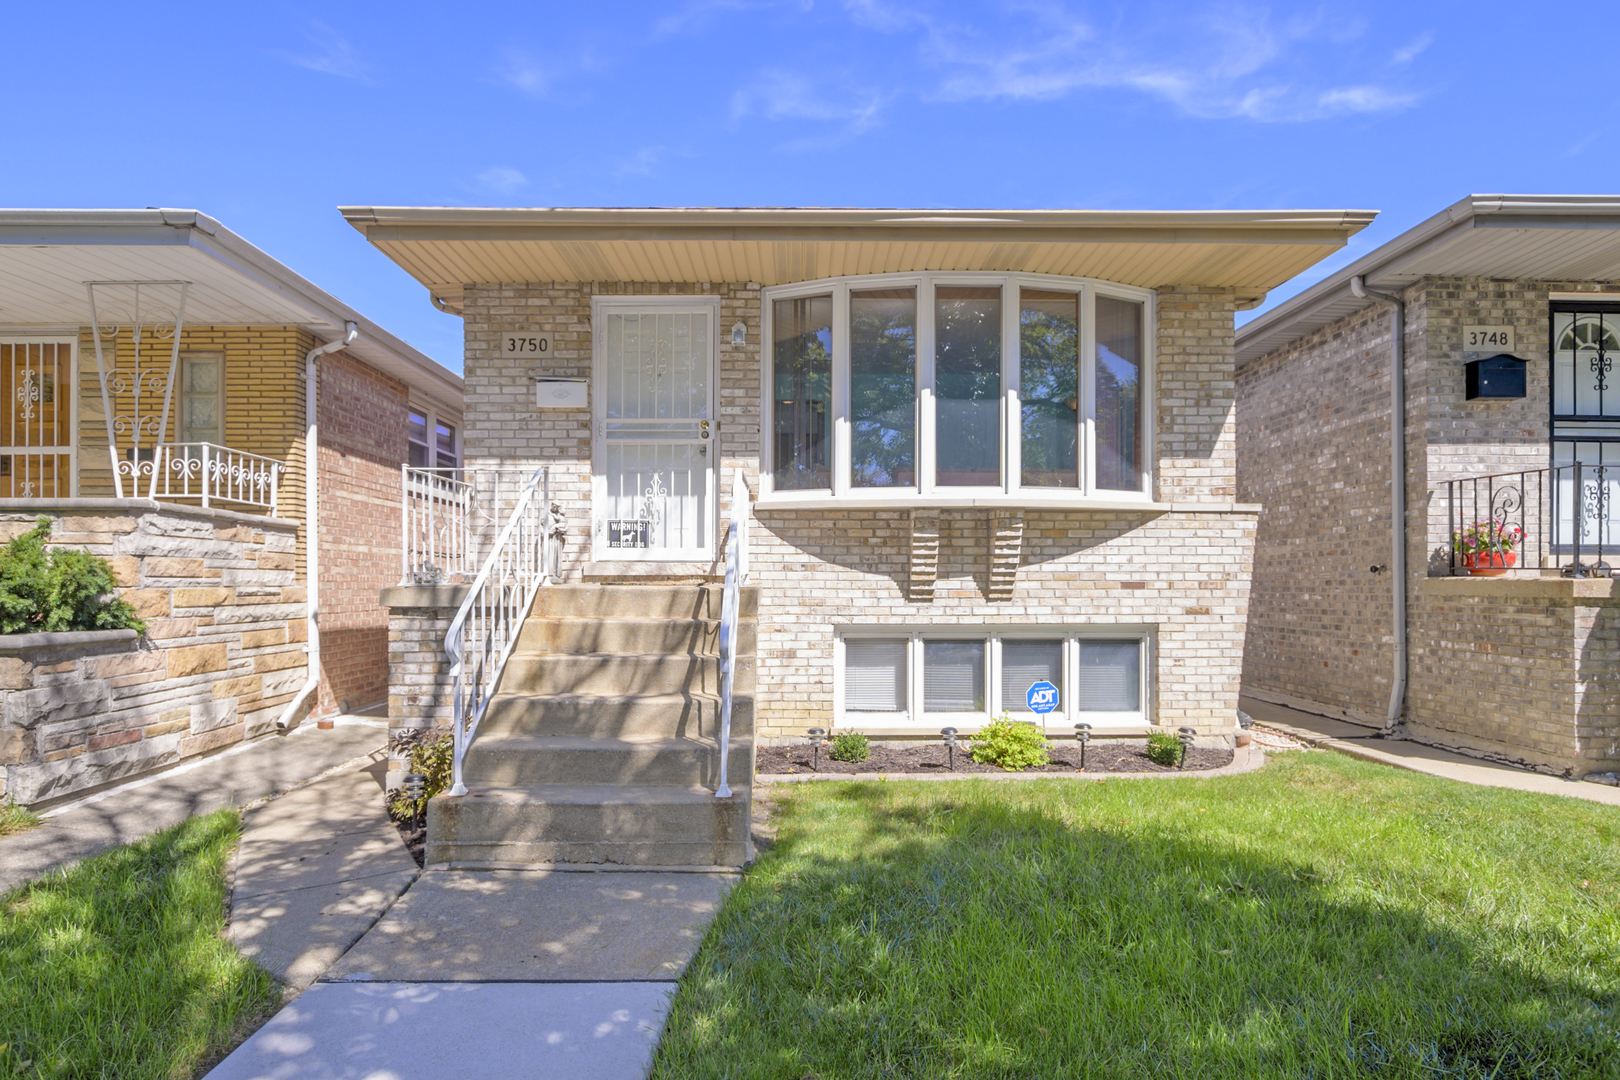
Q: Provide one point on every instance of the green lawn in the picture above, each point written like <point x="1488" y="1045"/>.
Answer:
<point x="1322" y="917"/>
<point x="119" y="967"/>
<point x="14" y="818"/>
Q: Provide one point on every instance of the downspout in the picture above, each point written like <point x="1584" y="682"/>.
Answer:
<point x="312" y="548"/>
<point x="1397" y="489"/>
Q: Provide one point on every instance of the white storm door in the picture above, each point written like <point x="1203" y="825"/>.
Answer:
<point x="654" y="445"/>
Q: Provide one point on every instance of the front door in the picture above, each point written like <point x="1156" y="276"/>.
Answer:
<point x="654" y="440"/>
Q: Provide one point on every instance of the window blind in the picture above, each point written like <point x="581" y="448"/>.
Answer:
<point x="953" y="676"/>
<point x="1025" y="663"/>
<point x="875" y="675"/>
<point x="1110" y="676"/>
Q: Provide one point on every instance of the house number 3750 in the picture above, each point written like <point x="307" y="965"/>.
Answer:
<point x="525" y="344"/>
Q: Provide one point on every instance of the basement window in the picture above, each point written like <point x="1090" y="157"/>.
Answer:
<point x="962" y="677"/>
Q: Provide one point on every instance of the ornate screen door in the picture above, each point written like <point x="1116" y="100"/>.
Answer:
<point x="654" y="451"/>
<point x="37" y="384"/>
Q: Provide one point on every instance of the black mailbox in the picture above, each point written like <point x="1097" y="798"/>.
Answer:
<point x="1499" y="376"/>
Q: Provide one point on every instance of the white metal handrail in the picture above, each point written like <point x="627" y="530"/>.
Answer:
<point x="486" y="626"/>
<point x="730" y="605"/>
<point x="212" y="473"/>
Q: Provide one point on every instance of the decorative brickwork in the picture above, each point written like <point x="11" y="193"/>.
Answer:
<point x="223" y="652"/>
<point x="1007" y="548"/>
<point x="924" y="568"/>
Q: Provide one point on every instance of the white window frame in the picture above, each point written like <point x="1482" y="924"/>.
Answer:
<point x="914" y="721"/>
<point x="926" y="492"/>
<point x="434" y="419"/>
<point x="186" y="360"/>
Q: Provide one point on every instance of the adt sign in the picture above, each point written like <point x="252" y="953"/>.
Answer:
<point x="1042" y="697"/>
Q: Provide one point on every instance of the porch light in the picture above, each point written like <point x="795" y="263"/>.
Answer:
<point x="949" y="737"/>
<point x="1186" y="736"/>
<point x="739" y="334"/>
<point x="818" y="739"/>
<point x="1082" y="735"/>
<point x="414" y="785"/>
<point x="1499" y="376"/>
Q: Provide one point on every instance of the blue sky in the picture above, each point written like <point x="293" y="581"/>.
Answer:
<point x="270" y="116"/>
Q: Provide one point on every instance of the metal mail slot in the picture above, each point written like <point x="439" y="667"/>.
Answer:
<point x="561" y="394"/>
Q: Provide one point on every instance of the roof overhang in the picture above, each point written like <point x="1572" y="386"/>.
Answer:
<point x="47" y="256"/>
<point x="1501" y="237"/>
<point x="1250" y="252"/>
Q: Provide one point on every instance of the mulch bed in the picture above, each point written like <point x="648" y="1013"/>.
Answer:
<point x="1100" y="759"/>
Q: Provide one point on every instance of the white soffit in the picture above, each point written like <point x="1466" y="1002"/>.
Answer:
<point x="47" y="256"/>
<point x="1249" y="251"/>
<point x="1499" y="237"/>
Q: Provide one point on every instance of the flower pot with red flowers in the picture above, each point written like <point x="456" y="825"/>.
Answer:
<point x="1488" y="548"/>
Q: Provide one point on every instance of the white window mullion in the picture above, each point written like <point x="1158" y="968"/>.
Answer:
<point x="1012" y="453"/>
<point x="925" y="386"/>
<point x="992" y="691"/>
<point x="841" y="431"/>
<point x="1088" y="391"/>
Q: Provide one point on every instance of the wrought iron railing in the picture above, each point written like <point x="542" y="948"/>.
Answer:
<point x="214" y="474"/>
<point x="486" y="626"/>
<point x="449" y="517"/>
<point x="1563" y="518"/>
<point x="730" y="609"/>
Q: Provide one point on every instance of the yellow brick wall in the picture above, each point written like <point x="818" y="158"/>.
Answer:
<point x="264" y="401"/>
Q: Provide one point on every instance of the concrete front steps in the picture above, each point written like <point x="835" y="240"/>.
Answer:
<point x="601" y="745"/>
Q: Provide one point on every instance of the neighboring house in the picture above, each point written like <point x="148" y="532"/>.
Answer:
<point x="984" y="449"/>
<point x="1508" y="447"/>
<point x="152" y="366"/>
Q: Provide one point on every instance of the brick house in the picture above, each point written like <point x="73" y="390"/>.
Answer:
<point x="982" y="449"/>
<point x="153" y="368"/>
<point x="1472" y="601"/>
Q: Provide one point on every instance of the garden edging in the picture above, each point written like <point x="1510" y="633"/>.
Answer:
<point x="1244" y="759"/>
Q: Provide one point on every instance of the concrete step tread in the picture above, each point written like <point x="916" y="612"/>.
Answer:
<point x="661" y="654"/>
<point x="597" y="795"/>
<point x="510" y="741"/>
<point x="676" y="697"/>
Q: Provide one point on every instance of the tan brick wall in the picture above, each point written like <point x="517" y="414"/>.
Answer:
<point x="222" y="655"/>
<point x="1183" y="574"/>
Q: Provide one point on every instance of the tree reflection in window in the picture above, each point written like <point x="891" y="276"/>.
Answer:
<point x="967" y="386"/>
<point x="883" y="388"/>
<point x="802" y="392"/>
<point x="1049" y="388"/>
<point x="1119" y="394"/>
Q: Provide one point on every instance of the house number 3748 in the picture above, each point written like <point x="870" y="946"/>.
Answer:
<point x="1487" y="339"/>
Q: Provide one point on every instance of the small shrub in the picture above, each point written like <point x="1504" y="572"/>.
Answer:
<point x="849" y="746"/>
<point x="53" y="591"/>
<point x="1012" y="744"/>
<point x="434" y="758"/>
<point x="1164" y="748"/>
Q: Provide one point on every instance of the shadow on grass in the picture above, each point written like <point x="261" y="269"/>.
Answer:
<point x="119" y="967"/>
<point x="893" y="932"/>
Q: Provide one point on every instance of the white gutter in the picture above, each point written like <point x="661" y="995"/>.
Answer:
<point x="1397" y="489"/>
<point x="312" y="547"/>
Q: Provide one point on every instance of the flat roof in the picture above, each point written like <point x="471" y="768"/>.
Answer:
<point x="47" y="256"/>
<point x="1250" y="251"/>
<point x="1502" y="237"/>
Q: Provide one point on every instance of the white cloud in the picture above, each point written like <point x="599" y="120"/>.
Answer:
<point x="701" y="11"/>
<point x="783" y="95"/>
<point x="521" y="72"/>
<point x="640" y="163"/>
<point x="334" y="56"/>
<point x="1408" y="52"/>
<point x="1222" y="62"/>
<point x="502" y="179"/>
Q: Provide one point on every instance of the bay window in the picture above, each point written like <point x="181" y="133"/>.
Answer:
<point x="956" y="385"/>
<point x="926" y="678"/>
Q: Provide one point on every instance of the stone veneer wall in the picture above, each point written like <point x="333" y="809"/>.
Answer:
<point x="222" y="655"/>
<point x="1183" y="574"/>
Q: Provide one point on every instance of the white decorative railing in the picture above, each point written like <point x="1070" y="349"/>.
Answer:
<point x="214" y="474"/>
<point x="730" y="606"/>
<point x="487" y="625"/>
<point x="436" y="526"/>
<point x="448" y="518"/>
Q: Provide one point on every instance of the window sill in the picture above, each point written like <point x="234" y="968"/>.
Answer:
<point x="1023" y="500"/>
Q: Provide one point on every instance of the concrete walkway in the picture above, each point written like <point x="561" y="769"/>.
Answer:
<point x="237" y="777"/>
<point x="1355" y="741"/>
<point x="315" y="869"/>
